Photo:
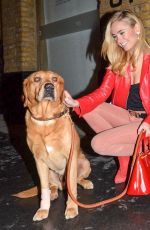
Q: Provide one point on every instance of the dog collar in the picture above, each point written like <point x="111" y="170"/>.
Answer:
<point x="58" y="115"/>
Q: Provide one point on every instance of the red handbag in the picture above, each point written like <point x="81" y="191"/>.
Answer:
<point x="139" y="180"/>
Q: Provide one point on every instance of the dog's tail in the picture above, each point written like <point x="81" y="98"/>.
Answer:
<point x="31" y="192"/>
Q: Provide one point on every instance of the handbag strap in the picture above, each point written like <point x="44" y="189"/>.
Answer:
<point x="146" y="143"/>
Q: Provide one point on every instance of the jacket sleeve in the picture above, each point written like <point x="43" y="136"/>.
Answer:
<point x="98" y="96"/>
<point x="145" y="87"/>
<point x="147" y="119"/>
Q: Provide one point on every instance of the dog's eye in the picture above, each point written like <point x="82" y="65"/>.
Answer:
<point x="54" y="79"/>
<point x="37" y="79"/>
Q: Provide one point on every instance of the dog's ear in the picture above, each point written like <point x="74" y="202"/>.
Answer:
<point x="61" y="89"/>
<point x="23" y="98"/>
<point x="25" y="94"/>
<point x="62" y="98"/>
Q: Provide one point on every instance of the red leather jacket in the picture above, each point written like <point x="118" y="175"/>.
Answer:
<point x="118" y="87"/>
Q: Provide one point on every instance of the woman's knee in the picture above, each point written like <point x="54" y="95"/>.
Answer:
<point x="98" y="146"/>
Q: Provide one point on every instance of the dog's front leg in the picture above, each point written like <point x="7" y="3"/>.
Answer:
<point x="43" y="211"/>
<point x="72" y="208"/>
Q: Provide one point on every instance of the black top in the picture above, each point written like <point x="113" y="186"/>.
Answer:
<point x="134" y="101"/>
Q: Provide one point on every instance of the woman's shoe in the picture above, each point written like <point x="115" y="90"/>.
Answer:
<point x="123" y="169"/>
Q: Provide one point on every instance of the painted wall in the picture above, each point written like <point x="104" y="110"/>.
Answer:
<point x="68" y="52"/>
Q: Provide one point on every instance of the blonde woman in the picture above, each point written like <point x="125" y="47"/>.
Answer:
<point x="127" y="79"/>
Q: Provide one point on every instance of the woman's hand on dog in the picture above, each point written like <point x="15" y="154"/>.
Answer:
<point x="69" y="101"/>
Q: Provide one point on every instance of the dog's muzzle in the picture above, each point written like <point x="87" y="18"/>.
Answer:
<point x="49" y="90"/>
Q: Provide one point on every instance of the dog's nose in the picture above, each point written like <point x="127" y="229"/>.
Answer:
<point x="48" y="86"/>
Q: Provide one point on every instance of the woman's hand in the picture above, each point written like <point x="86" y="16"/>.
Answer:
<point x="69" y="101"/>
<point x="145" y="127"/>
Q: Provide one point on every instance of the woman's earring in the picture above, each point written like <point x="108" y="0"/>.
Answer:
<point x="138" y="35"/>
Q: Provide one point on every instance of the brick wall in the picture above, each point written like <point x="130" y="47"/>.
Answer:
<point x="140" y="7"/>
<point x="19" y="35"/>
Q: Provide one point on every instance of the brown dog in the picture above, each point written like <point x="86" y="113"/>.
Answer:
<point x="49" y="139"/>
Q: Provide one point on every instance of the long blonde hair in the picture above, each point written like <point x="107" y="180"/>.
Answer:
<point x="117" y="57"/>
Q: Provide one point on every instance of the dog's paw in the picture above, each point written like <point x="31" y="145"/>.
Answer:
<point x="71" y="212"/>
<point x="54" y="193"/>
<point x="86" y="184"/>
<point x="41" y="214"/>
